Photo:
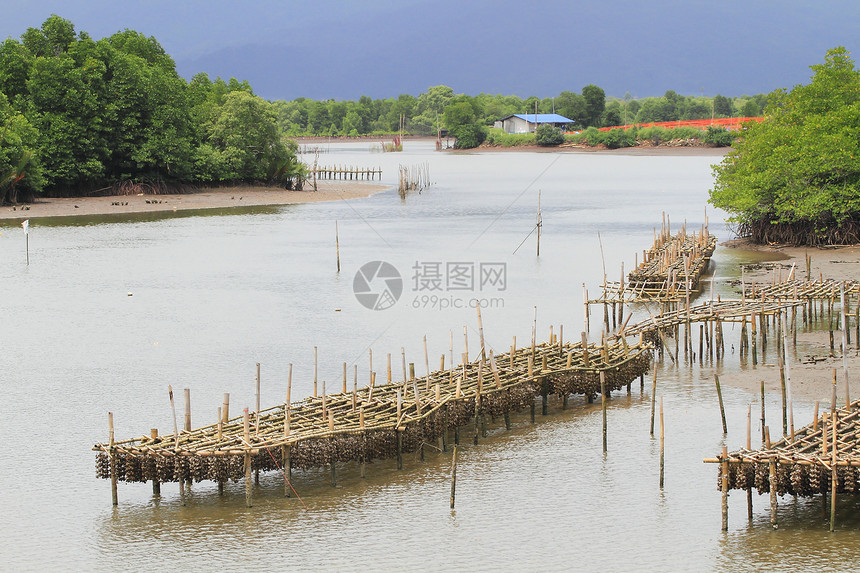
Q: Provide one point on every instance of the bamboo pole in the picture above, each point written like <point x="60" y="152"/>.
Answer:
<point x="788" y="379"/>
<point x="316" y="371"/>
<point x="844" y="341"/>
<point x="337" y="244"/>
<point x="603" y="403"/>
<point x="153" y="434"/>
<point x="725" y="488"/>
<point x="653" y="397"/>
<point x="246" y="421"/>
<point x="662" y="442"/>
<point x="225" y="408"/>
<point x="453" y="476"/>
<point x="176" y="443"/>
<point x="833" y="476"/>
<point x="113" y="472"/>
<point x="722" y="409"/>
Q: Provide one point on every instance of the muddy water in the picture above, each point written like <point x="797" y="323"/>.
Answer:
<point x="109" y="312"/>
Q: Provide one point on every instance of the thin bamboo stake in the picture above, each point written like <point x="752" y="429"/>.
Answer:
<point x="453" y="476"/>
<point x="662" y="442"/>
<point x="653" y="397"/>
<point x="722" y="409"/>
<point x="603" y="402"/>
<point x="725" y="489"/>
<point x="113" y="472"/>
<point x="833" y="476"/>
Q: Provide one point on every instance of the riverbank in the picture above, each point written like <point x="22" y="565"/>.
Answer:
<point x="206" y="198"/>
<point x="642" y="150"/>
<point x="812" y="371"/>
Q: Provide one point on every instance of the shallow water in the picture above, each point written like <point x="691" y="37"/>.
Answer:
<point x="212" y="295"/>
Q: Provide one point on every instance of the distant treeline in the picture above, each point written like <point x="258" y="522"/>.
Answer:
<point x="426" y="113"/>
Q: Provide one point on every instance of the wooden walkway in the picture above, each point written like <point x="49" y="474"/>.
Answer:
<point x="346" y="173"/>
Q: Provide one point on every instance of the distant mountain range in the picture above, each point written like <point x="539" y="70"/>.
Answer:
<point x="333" y="49"/>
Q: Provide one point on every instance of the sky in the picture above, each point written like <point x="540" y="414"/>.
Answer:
<point x="324" y="49"/>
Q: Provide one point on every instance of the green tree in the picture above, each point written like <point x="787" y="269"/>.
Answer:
<point x="246" y="135"/>
<point x="20" y="170"/>
<point x="795" y="177"/>
<point x="595" y="103"/>
<point x="723" y="106"/>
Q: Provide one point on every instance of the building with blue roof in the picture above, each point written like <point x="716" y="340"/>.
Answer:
<point x="528" y="122"/>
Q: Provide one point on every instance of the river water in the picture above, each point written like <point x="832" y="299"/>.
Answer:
<point x="110" y="311"/>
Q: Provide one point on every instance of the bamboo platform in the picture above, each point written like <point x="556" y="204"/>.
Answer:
<point x="374" y="422"/>
<point x="721" y="310"/>
<point x="670" y="270"/>
<point x="820" y="458"/>
<point x="791" y="289"/>
<point x="803" y="461"/>
<point x="345" y="173"/>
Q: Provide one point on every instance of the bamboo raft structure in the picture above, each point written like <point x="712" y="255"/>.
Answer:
<point x="345" y="173"/>
<point x="820" y="458"/>
<point x="373" y="422"/>
<point x="669" y="269"/>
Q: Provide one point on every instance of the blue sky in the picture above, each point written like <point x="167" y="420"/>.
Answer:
<point x="330" y="49"/>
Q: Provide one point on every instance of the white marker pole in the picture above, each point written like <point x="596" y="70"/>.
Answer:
<point x="26" y="226"/>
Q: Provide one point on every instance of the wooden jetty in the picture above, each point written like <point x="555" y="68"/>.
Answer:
<point x="376" y="421"/>
<point x="820" y="458"/>
<point x="345" y="173"/>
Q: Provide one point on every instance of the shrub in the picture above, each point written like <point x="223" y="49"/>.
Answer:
<point x="497" y="136"/>
<point x="615" y="138"/>
<point x="469" y="136"/>
<point x="548" y="136"/>
<point x="718" y="137"/>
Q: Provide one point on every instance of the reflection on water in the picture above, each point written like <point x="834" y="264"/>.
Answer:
<point x="211" y="295"/>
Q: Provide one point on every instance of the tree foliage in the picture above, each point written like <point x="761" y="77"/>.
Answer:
<point x="80" y="115"/>
<point x="795" y="177"/>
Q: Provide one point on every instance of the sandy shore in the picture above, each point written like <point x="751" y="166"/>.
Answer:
<point x="812" y="371"/>
<point x="215" y="198"/>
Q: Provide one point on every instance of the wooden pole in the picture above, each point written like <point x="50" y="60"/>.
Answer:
<point x="773" y="503"/>
<point x="749" y="448"/>
<point x="788" y="378"/>
<point x="603" y="403"/>
<point x="153" y="433"/>
<point x="453" y="476"/>
<point x="844" y="341"/>
<point x="662" y="442"/>
<point x="722" y="409"/>
<point x="225" y="408"/>
<point x="316" y="371"/>
<point x="337" y="244"/>
<point x="247" y="434"/>
<point x="833" y="476"/>
<point x="653" y="397"/>
<point x="762" y="412"/>
<point x="481" y="332"/>
<point x="539" y="224"/>
<point x="113" y="472"/>
<point x="725" y="488"/>
<point x="187" y="393"/>
<point x="176" y="443"/>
